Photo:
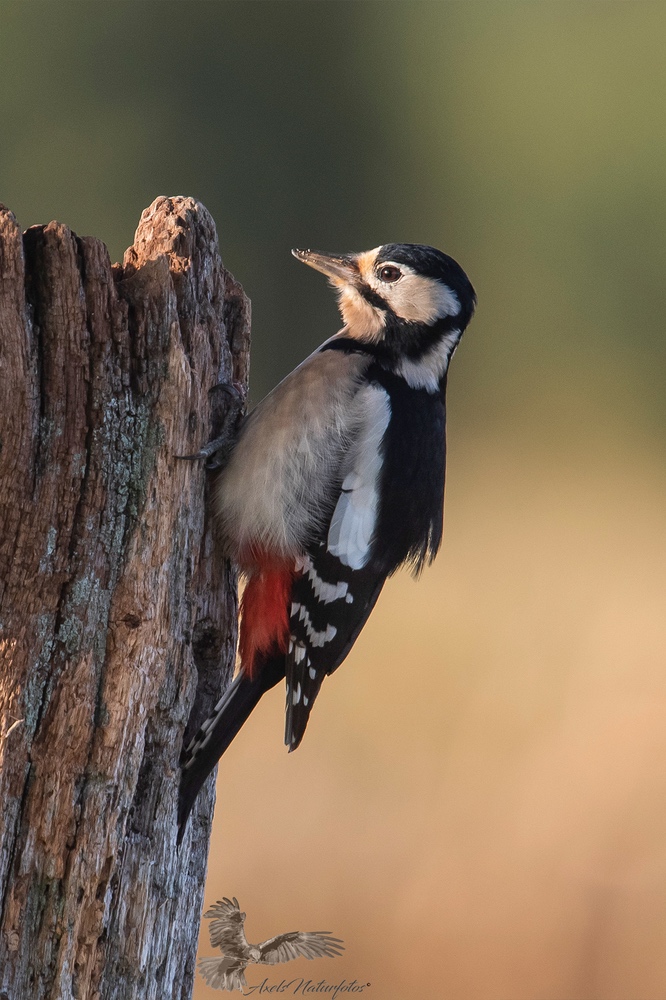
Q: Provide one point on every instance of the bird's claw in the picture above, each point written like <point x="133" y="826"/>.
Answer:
<point x="228" y="400"/>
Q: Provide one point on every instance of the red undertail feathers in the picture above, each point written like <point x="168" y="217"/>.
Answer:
<point x="264" y="626"/>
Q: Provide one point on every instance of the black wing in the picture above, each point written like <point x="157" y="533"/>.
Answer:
<point x="388" y="512"/>
<point x="330" y="605"/>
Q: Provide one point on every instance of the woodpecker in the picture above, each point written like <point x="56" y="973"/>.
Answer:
<point x="334" y="481"/>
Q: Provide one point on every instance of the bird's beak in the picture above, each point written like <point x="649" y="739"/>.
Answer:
<point x="340" y="268"/>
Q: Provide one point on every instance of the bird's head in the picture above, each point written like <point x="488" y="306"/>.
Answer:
<point x="403" y="296"/>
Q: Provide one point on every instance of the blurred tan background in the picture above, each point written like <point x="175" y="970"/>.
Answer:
<point x="479" y="806"/>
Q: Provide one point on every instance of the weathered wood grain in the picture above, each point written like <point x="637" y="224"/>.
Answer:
<point x="116" y="611"/>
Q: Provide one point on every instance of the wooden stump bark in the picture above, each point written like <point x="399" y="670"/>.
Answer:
<point x="117" y="614"/>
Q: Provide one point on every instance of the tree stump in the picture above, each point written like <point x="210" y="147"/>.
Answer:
<point x="117" y="612"/>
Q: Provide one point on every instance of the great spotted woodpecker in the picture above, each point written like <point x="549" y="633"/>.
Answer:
<point x="334" y="481"/>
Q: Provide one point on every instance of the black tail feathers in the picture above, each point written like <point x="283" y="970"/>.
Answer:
<point x="217" y="732"/>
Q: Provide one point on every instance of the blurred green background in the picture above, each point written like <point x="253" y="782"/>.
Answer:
<point x="479" y="807"/>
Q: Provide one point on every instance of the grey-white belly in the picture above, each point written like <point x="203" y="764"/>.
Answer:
<point x="282" y="480"/>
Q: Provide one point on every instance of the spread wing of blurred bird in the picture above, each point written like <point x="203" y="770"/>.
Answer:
<point x="227" y="933"/>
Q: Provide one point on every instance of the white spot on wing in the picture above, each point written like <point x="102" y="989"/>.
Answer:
<point x="316" y="638"/>
<point x="354" y="518"/>
<point x="296" y="696"/>
<point x="312" y="672"/>
<point x="325" y="592"/>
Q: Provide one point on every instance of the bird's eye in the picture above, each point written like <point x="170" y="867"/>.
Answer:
<point x="390" y="273"/>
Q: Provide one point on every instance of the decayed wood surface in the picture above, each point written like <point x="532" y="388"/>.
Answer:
<point x="113" y="600"/>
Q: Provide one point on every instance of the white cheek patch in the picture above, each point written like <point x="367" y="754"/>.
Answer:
<point x="354" y="518"/>
<point x="416" y="298"/>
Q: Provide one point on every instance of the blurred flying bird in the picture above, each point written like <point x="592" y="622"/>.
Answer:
<point x="226" y="932"/>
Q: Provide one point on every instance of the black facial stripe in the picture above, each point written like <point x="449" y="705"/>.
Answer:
<point x="389" y="352"/>
<point x="400" y="338"/>
<point x="413" y="340"/>
<point x="373" y="297"/>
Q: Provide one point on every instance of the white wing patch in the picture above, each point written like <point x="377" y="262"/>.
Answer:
<point x="354" y="518"/>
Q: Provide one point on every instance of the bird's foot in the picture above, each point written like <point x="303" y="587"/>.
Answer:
<point x="228" y="400"/>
